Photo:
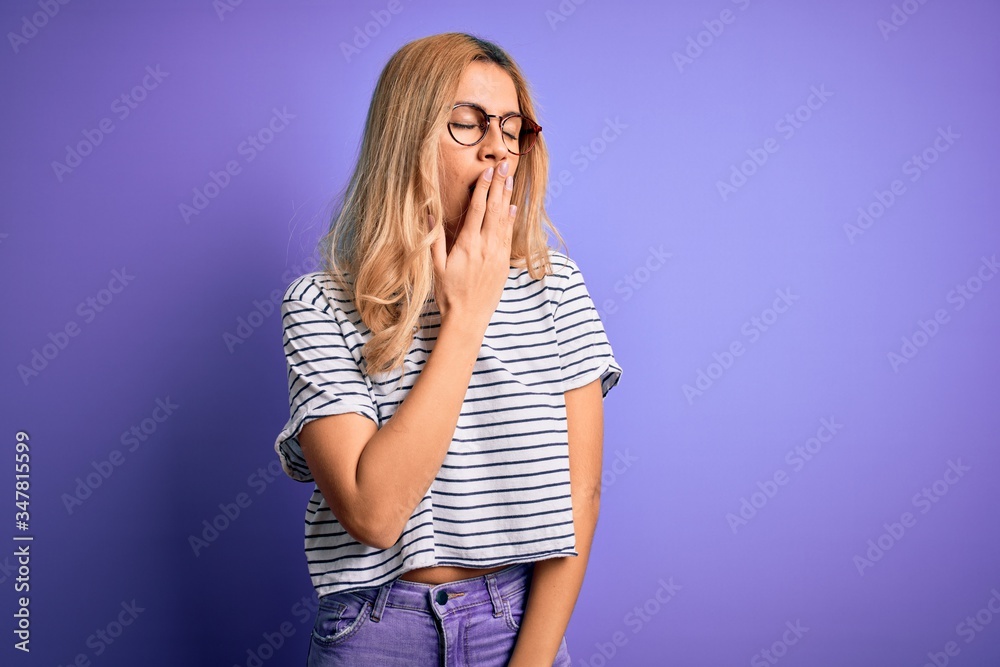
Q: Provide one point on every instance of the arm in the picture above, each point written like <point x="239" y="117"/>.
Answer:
<point x="358" y="468"/>
<point x="556" y="582"/>
<point x="374" y="479"/>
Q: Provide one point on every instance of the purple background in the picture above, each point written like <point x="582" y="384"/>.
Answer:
<point x="642" y="141"/>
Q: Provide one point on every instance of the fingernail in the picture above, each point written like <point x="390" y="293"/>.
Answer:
<point x="510" y="183"/>
<point x="503" y="168"/>
<point x="513" y="210"/>
<point x="489" y="174"/>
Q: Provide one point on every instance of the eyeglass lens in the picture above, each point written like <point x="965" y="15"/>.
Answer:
<point x="468" y="125"/>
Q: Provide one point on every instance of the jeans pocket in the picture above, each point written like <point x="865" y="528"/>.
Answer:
<point x="513" y="605"/>
<point x="339" y="617"/>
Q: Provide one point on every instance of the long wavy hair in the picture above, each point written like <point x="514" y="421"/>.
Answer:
<point x="379" y="236"/>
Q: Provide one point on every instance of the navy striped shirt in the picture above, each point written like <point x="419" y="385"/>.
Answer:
<point x="502" y="494"/>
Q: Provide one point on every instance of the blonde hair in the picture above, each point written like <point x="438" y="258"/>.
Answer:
<point x="379" y="235"/>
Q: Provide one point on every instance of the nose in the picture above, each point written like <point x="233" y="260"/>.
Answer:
<point x="492" y="145"/>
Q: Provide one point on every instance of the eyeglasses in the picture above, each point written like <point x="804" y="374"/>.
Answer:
<point x="469" y="124"/>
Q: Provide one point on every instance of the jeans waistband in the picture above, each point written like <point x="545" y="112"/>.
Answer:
<point x="450" y="597"/>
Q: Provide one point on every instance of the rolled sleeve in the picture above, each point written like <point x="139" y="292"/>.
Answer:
<point x="324" y="377"/>
<point x="585" y="353"/>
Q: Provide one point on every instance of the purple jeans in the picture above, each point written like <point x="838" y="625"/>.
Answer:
<point x="466" y="623"/>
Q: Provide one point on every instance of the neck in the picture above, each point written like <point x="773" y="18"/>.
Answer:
<point x="451" y="231"/>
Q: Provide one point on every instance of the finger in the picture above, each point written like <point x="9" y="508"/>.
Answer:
<point x="511" y="220"/>
<point x="509" y="231"/>
<point x="477" y="205"/>
<point x="499" y="199"/>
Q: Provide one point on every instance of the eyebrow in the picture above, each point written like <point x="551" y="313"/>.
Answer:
<point x="505" y="113"/>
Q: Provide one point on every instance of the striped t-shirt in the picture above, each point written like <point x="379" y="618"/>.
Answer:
<point x="502" y="494"/>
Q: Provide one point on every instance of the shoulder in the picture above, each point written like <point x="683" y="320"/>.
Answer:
<point x="562" y="264"/>
<point x="320" y="290"/>
<point x="563" y="267"/>
<point x="565" y="270"/>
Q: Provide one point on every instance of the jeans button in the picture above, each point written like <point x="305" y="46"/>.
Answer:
<point x="442" y="597"/>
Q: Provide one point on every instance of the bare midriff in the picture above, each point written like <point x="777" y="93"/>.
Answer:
<point x="442" y="574"/>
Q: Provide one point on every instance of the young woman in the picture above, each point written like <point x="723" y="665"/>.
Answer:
<point x="446" y="374"/>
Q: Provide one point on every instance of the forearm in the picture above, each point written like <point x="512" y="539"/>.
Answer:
<point x="401" y="460"/>
<point x="555" y="587"/>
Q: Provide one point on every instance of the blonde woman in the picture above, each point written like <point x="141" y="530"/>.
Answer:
<point x="446" y="373"/>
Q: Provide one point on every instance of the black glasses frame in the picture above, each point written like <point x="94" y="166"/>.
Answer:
<point x="533" y="127"/>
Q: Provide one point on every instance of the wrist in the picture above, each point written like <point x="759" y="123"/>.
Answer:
<point x="465" y="326"/>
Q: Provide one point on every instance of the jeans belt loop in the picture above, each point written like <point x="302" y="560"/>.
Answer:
<point x="495" y="597"/>
<point x="383" y="597"/>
